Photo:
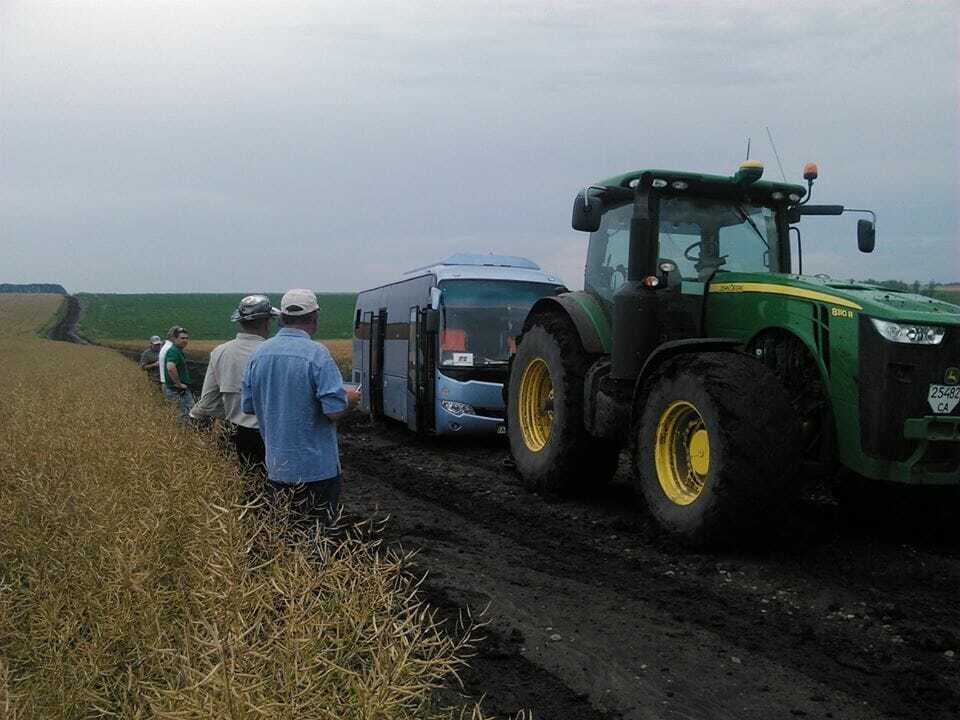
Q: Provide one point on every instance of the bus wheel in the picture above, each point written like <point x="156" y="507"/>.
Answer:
<point x="550" y="445"/>
<point x="716" y="447"/>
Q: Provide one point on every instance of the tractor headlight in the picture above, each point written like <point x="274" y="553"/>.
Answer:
<point x="457" y="408"/>
<point x="909" y="334"/>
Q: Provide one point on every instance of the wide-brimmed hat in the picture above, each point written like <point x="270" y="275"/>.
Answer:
<point x="254" y="307"/>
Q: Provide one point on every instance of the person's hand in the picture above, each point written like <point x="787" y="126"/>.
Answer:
<point x="181" y="387"/>
<point x="353" y="396"/>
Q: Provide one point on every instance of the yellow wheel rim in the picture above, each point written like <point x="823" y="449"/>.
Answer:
<point x="682" y="452"/>
<point x="535" y="405"/>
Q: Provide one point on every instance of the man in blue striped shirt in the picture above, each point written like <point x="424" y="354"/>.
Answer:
<point x="295" y="389"/>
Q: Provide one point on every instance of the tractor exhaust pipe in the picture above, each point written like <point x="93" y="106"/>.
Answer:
<point x="636" y="316"/>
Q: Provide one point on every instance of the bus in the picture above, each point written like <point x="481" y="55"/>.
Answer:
<point x="433" y="349"/>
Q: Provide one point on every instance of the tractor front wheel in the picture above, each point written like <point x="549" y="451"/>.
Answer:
<point x="715" y="447"/>
<point x="550" y="445"/>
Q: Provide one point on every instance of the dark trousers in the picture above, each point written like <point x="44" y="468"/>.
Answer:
<point x="248" y="442"/>
<point x="310" y="501"/>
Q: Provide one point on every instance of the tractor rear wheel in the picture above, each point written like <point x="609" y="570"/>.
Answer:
<point x="715" y="447"/>
<point x="553" y="451"/>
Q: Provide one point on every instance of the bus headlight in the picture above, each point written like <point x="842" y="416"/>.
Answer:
<point x="908" y="333"/>
<point x="457" y="408"/>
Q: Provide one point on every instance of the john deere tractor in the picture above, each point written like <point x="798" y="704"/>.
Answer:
<point x="698" y="344"/>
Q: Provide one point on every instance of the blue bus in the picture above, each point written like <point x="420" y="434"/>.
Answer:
<point x="433" y="349"/>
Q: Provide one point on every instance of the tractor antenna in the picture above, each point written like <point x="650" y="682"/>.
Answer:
<point x="748" y="149"/>
<point x="775" y="153"/>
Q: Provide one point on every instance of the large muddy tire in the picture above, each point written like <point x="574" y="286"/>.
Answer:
<point x="715" y="447"/>
<point x="553" y="451"/>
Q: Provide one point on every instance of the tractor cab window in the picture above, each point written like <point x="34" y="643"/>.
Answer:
<point x="609" y="252"/>
<point x="704" y="237"/>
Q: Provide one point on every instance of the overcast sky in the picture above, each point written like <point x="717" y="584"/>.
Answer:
<point x="235" y="146"/>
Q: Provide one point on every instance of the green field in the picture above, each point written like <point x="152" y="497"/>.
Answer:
<point x="951" y="296"/>
<point x="204" y="315"/>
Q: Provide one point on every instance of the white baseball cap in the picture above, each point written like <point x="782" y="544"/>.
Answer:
<point x="156" y="340"/>
<point x="298" y="302"/>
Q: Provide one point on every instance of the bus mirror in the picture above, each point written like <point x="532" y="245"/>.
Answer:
<point x="587" y="210"/>
<point x="431" y="320"/>
<point x="866" y="235"/>
<point x="435" y="295"/>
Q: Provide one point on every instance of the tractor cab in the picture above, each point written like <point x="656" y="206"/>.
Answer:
<point x="684" y="228"/>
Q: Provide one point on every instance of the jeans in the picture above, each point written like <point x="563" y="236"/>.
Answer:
<point x="183" y="398"/>
<point x="318" y="500"/>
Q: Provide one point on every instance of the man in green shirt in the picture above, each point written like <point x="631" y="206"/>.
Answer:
<point x="177" y="376"/>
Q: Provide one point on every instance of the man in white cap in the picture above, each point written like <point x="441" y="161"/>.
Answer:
<point x="150" y="359"/>
<point x="295" y="389"/>
<point x="220" y="397"/>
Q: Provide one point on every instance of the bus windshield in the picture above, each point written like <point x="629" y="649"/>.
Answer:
<point x="482" y="318"/>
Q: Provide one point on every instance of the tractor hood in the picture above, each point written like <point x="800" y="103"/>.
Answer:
<point x="894" y="305"/>
<point x="871" y="300"/>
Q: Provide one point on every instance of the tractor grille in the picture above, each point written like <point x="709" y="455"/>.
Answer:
<point x="894" y="381"/>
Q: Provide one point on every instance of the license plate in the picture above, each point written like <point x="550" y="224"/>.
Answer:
<point x="502" y="429"/>
<point x="943" y="398"/>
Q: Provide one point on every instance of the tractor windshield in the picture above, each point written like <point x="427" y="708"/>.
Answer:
<point x="707" y="236"/>
<point x="482" y="318"/>
<point x="701" y="236"/>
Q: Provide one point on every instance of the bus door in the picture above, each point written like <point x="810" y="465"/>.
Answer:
<point x="421" y="370"/>
<point x="378" y="332"/>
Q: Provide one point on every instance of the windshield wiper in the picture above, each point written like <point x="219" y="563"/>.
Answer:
<point x="746" y="218"/>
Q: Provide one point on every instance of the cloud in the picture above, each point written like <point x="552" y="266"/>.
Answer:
<point x="213" y="146"/>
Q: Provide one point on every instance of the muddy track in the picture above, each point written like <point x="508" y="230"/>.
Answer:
<point x="66" y="328"/>
<point x="594" y="614"/>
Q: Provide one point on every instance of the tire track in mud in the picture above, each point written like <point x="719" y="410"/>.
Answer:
<point x="66" y="328"/>
<point x="844" y="615"/>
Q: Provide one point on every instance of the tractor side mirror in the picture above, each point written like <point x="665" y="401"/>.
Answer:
<point x="587" y="211"/>
<point x="431" y="320"/>
<point x="866" y="236"/>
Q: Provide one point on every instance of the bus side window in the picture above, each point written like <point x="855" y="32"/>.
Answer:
<point x="412" y="350"/>
<point x="356" y="320"/>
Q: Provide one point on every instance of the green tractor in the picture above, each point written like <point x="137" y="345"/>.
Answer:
<point x="699" y="344"/>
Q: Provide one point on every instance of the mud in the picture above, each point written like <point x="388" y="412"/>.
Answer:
<point x="66" y="328"/>
<point x="593" y="614"/>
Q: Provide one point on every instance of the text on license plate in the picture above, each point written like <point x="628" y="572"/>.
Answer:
<point x="943" y="398"/>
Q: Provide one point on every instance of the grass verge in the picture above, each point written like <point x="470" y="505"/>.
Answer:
<point x="135" y="581"/>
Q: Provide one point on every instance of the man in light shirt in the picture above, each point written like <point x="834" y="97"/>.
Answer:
<point x="295" y="388"/>
<point x="220" y="397"/>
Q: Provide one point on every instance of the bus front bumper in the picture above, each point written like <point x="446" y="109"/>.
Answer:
<point x="485" y="400"/>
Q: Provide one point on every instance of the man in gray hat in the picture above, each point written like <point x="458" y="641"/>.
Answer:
<point x="295" y="389"/>
<point x="150" y="359"/>
<point x="220" y="397"/>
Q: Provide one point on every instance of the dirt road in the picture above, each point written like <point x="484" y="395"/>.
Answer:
<point x="595" y="615"/>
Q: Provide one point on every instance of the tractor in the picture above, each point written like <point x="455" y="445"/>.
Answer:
<point x="699" y="346"/>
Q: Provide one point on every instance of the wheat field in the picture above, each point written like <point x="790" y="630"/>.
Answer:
<point x="136" y="581"/>
<point x="340" y="349"/>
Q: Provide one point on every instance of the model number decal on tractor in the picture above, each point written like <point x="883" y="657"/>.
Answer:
<point x="841" y="312"/>
<point x="943" y="398"/>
